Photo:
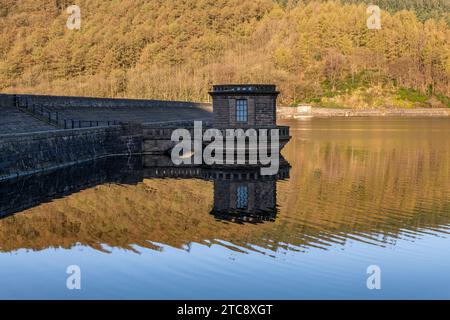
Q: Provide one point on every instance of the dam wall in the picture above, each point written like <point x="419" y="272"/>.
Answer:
<point x="70" y="101"/>
<point x="65" y="112"/>
<point x="40" y="132"/>
<point x="6" y="100"/>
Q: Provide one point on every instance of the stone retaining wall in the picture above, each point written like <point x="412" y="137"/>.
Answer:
<point x="298" y="112"/>
<point x="290" y="112"/>
<point x="419" y="112"/>
<point x="22" y="154"/>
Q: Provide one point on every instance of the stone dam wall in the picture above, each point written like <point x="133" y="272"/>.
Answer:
<point x="67" y="112"/>
<point x="6" y="100"/>
<point x="28" y="153"/>
<point x="68" y="101"/>
<point x="29" y="144"/>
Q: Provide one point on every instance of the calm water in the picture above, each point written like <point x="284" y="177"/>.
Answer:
<point x="360" y="192"/>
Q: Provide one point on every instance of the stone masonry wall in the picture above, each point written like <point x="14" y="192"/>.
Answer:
<point x="77" y="112"/>
<point x="221" y="111"/>
<point x="284" y="112"/>
<point x="97" y="102"/>
<point x="6" y="100"/>
<point x="265" y="109"/>
<point x="32" y="152"/>
<point x="261" y="110"/>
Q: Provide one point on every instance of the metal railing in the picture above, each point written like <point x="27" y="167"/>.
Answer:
<point x="47" y="115"/>
<point x="73" y="124"/>
<point x="54" y="117"/>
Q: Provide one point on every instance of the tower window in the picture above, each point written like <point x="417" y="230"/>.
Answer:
<point x="242" y="197"/>
<point x="241" y="110"/>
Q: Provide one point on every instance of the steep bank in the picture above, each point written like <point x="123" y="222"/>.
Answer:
<point x="174" y="50"/>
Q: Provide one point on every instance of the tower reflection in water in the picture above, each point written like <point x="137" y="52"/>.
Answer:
<point x="244" y="195"/>
<point x="241" y="193"/>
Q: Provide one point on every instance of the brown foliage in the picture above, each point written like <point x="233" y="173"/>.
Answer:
<point x="177" y="49"/>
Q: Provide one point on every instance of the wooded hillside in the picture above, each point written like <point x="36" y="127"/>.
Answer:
<point x="316" y="51"/>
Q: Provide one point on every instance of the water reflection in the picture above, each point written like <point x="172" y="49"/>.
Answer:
<point x="25" y="192"/>
<point x="375" y="181"/>
<point x="239" y="191"/>
<point x="359" y="192"/>
<point x="36" y="212"/>
<point x="368" y="181"/>
<point x="243" y="195"/>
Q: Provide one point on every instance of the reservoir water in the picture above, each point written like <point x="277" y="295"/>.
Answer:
<point x="359" y="192"/>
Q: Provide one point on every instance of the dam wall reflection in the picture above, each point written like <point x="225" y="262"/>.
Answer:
<point x="240" y="192"/>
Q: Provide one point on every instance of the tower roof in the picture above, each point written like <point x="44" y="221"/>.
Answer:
<point x="244" y="89"/>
